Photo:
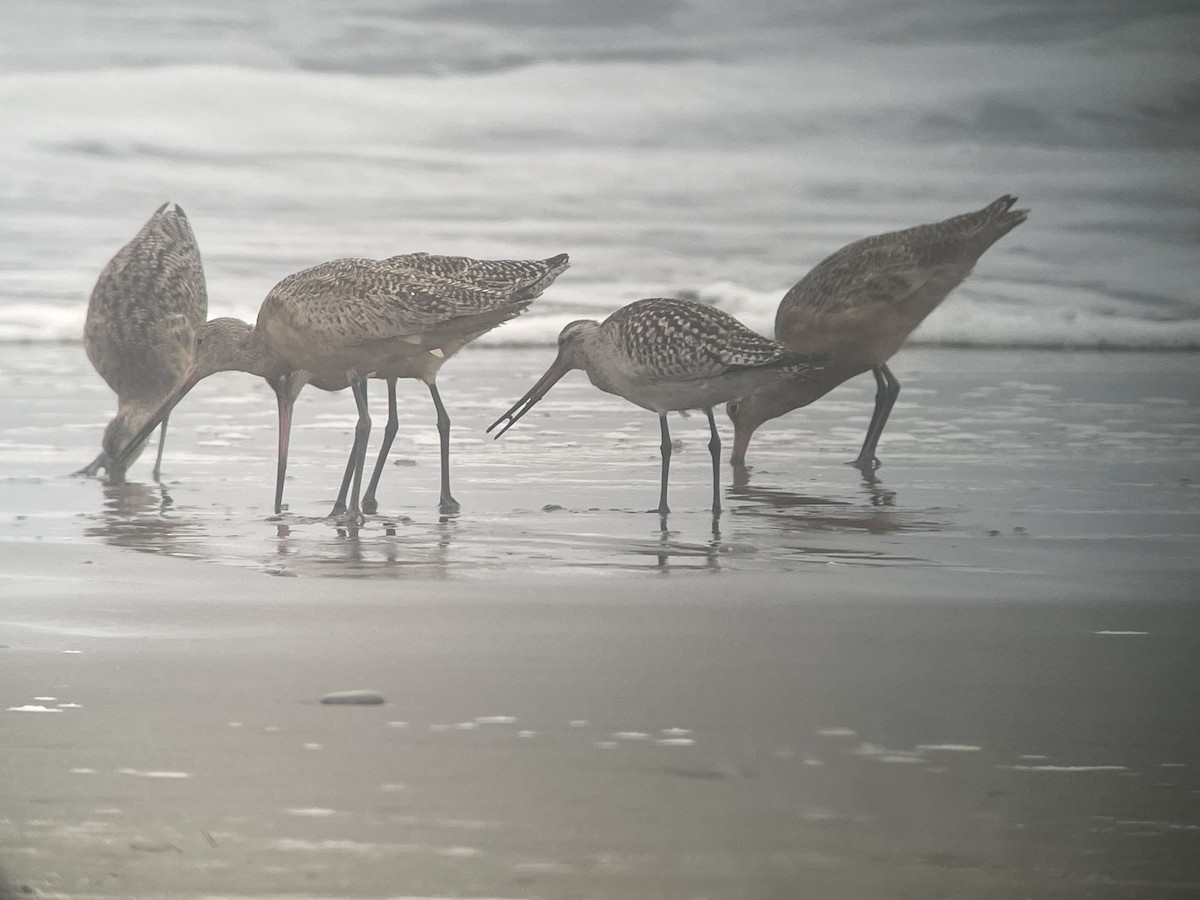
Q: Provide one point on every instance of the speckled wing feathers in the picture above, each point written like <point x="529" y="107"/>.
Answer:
<point x="678" y="339"/>
<point x="522" y="279"/>
<point x="364" y="301"/>
<point x="146" y="305"/>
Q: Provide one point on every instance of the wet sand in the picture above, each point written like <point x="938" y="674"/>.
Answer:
<point x="974" y="677"/>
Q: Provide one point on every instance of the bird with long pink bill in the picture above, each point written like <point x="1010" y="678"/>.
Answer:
<point x="338" y="323"/>
<point x="668" y="355"/>
<point x="859" y="305"/>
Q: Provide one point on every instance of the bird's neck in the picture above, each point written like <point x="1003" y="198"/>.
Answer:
<point x="596" y="353"/>
<point x="257" y="359"/>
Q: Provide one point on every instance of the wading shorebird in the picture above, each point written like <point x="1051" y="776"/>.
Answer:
<point x="669" y="355"/>
<point x="338" y="323"/>
<point x="859" y="305"/>
<point x="140" y="331"/>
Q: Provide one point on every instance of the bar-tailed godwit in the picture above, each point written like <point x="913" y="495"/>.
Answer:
<point x="666" y="355"/>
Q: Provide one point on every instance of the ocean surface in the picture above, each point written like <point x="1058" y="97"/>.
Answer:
<point x="693" y="147"/>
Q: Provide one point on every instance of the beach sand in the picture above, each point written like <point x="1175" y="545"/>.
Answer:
<point x="974" y="677"/>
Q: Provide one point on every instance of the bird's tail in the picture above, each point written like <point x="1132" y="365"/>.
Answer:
<point x="554" y="266"/>
<point x="993" y="222"/>
<point x="171" y="222"/>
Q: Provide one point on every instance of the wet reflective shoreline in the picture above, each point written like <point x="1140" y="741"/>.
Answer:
<point x="977" y="465"/>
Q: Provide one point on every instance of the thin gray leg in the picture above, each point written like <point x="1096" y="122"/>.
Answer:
<point x="446" y="503"/>
<point x="339" y="505"/>
<point x="369" y="503"/>
<point x="888" y="389"/>
<point x="714" y="449"/>
<point x="663" y="509"/>
<point x="358" y="454"/>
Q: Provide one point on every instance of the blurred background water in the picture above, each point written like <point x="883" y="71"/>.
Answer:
<point x="703" y="147"/>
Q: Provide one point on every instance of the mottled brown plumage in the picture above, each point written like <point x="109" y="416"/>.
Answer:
<point x="140" y="330"/>
<point x="522" y="279"/>
<point x="665" y="354"/>
<point x="664" y="339"/>
<point x="338" y="323"/>
<point x="384" y="318"/>
<point x="857" y="307"/>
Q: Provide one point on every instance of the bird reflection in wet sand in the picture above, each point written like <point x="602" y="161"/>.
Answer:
<point x="400" y="547"/>
<point x="860" y="304"/>
<point x="669" y="549"/>
<point x="338" y="323"/>
<point x="669" y="355"/>
<point x="140" y="331"/>
<point x="873" y="487"/>
<point x="875" y="513"/>
<point x="142" y="517"/>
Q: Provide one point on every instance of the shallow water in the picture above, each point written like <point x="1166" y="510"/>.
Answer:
<point x="992" y="459"/>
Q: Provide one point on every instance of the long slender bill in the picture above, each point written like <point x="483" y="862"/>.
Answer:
<point x="190" y="380"/>
<point x="556" y="371"/>
<point x="287" y="388"/>
<point x="284" y="403"/>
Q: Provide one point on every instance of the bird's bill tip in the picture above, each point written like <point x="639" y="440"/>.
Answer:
<point x="556" y="371"/>
<point x="122" y="458"/>
<point x="509" y="421"/>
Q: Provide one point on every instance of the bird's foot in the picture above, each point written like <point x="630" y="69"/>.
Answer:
<point x="370" y="505"/>
<point x="866" y="468"/>
<point x="347" y="517"/>
<point x="448" y="506"/>
<point x="351" y="518"/>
